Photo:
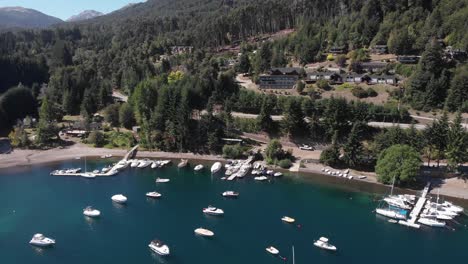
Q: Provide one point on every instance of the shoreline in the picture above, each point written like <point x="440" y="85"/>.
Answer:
<point x="453" y="188"/>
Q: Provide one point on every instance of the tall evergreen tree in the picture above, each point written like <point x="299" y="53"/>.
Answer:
<point x="353" y="147"/>
<point x="457" y="143"/>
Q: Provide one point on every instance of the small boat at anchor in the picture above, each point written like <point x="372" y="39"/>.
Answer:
<point x="431" y="222"/>
<point x="91" y="212"/>
<point x="211" y="210"/>
<point x="161" y="180"/>
<point x="183" y="163"/>
<point x="277" y="174"/>
<point x="204" y="232"/>
<point x="119" y="198"/>
<point x="153" y="195"/>
<point x="324" y="244"/>
<point x="159" y="247"/>
<point x="41" y="241"/>
<point x="231" y="194"/>
<point x="216" y="167"/>
<point x="261" y="178"/>
<point x="199" y="167"/>
<point x="272" y="250"/>
<point x="288" y="219"/>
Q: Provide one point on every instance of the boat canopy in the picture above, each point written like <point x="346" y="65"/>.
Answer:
<point x="324" y="239"/>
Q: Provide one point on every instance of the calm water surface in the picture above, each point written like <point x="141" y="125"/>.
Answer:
<point x="33" y="201"/>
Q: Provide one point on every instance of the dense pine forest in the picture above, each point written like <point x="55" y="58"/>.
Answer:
<point x="72" y="69"/>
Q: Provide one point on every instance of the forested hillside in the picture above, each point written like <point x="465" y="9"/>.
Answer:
<point x="80" y="63"/>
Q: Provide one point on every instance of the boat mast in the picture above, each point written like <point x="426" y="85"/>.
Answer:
<point x="393" y="184"/>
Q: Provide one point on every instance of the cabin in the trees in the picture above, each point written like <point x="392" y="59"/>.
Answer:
<point x="181" y="49"/>
<point x="373" y="66"/>
<point x="267" y="81"/>
<point x="338" y="50"/>
<point x="408" y="59"/>
<point x="455" y="54"/>
<point x="379" y="49"/>
<point x="330" y="76"/>
<point x="383" y="79"/>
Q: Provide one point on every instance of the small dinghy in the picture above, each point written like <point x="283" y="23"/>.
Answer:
<point x="204" y="232"/>
<point x="183" y="163"/>
<point x="323" y="244"/>
<point x="119" y="198"/>
<point x="272" y="250"/>
<point x="91" y="212"/>
<point x="153" y="195"/>
<point x="278" y="174"/>
<point x="211" y="210"/>
<point x="199" y="167"/>
<point x="231" y="194"/>
<point x="288" y="219"/>
<point x="261" y="178"/>
<point x="161" y="180"/>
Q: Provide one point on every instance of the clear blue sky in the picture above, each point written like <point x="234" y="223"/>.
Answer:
<point x="66" y="8"/>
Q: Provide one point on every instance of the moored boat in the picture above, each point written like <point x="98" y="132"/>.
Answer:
<point x="121" y="165"/>
<point x="277" y="174"/>
<point x="288" y="219"/>
<point x="204" y="232"/>
<point x="161" y="180"/>
<point x="211" y="210"/>
<point x="199" y="167"/>
<point x="272" y="250"/>
<point x="159" y="247"/>
<point x="261" y="178"/>
<point x="134" y="163"/>
<point x="41" y="241"/>
<point x="153" y="194"/>
<point x="91" y="212"/>
<point x="183" y="163"/>
<point x="216" y="167"/>
<point x="324" y="244"/>
<point x="390" y="213"/>
<point x="431" y="222"/>
<point x="88" y="175"/>
<point x="119" y="198"/>
<point x="231" y="194"/>
<point x="144" y="163"/>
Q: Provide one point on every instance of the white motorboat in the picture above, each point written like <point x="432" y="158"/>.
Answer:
<point x="451" y="207"/>
<point x="199" y="167"/>
<point x="216" y="167"/>
<point x="261" y="178"/>
<point x="204" y="232"/>
<point x="134" y="163"/>
<point x="121" y="165"/>
<point x="440" y="209"/>
<point x="155" y="164"/>
<point x="88" y="175"/>
<point x="231" y="194"/>
<point x="153" y="194"/>
<point x="105" y="169"/>
<point x="91" y="212"/>
<point x="397" y="202"/>
<point x="41" y="241"/>
<point x="278" y="174"/>
<point x="288" y="219"/>
<point x="432" y="213"/>
<point x="144" y="163"/>
<point x="211" y="210"/>
<point x="159" y="247"/>
<point x="270" y="172"/>
<point x="390" y="213"/>
<point x="323" y="244"/>
<point x="95" y="171"/>
<point x="272" y="250"/>
<point x="165" y="162"/>
<point x="183" y="163"/>
<point x="431" y="222"/>
<point x="119" y="198"/>
<point x="112" y="172"/>
<point x="161" y="180"/>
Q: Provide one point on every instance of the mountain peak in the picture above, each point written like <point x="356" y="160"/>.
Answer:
<point x="85" y="15"/>
<point x="20" y="17"/>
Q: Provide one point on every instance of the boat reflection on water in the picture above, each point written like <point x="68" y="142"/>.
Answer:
<point x="91" y="222"/>
<point x="39" y="251"/>
<point x="159" y="258"/>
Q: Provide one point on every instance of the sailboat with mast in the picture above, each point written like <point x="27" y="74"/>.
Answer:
<point x="87" y="174"/>
<point x="391" y="211"/>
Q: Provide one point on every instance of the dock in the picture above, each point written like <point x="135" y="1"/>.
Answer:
<point x="112" y="171"/>
<point x="417" y="209"/>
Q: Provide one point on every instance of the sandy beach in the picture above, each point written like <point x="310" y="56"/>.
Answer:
<point x="453" y="187"/>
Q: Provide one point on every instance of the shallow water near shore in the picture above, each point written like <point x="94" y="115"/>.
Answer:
<point x="35" y="202"/>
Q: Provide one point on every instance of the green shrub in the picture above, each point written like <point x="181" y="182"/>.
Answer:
<point x="359" y="92"/>
<point x="232" y="151"/>
<point x="323" y="84"/>
<point x="371" y="92"/>
<point x="96" y="138"/>
<point x="285" y="163"/>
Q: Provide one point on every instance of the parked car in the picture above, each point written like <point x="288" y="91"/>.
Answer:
<point x="306" y="147"/>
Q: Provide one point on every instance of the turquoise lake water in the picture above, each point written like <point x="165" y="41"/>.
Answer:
<point x="35" y="202"/>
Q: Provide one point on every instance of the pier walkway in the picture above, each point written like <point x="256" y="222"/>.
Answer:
<point x="132" y="153"/>
<point x="417" y="209"/>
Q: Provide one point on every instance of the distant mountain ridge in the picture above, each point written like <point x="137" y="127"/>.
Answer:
<point x="20" y="17"/>
<point x="85" y="15"/>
